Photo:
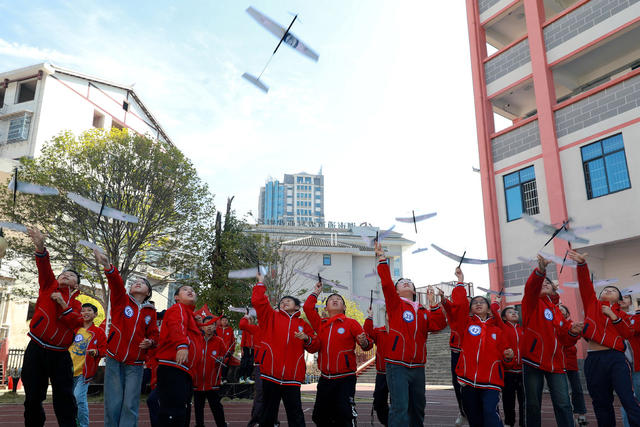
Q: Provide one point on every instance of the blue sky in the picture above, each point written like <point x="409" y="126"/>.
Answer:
<point x="387" y="112"/>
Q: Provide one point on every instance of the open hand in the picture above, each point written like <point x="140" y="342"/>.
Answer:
<point x="101" y="259"/>
<point x="542" y="263"/>
<point x="37" y="238"/>
<point x="577" y="257"/>
<point x="182" y="355"/>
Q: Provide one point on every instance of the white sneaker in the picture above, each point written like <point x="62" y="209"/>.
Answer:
<point x="461" y="420"/>
<point x="241" y="380"/>
<point x="582" y="420"/>
<point x="249" y="381"/>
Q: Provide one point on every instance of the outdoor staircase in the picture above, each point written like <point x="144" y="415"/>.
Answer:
<point x="438" y="368"/>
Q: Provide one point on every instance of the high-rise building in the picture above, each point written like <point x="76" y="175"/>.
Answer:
<point x="297" y="200"/>
<point x="565" y="73"/>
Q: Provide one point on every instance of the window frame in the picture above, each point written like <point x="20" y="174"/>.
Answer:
<point x="324" y="259"/>
<point x="603" y="156"/>
<point x="520" y="185"/>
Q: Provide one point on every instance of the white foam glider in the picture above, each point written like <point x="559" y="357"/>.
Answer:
<point x="13" y="226"/>
<point x="285" y="36"/>
<point x="464" y="260"/>
<point x="633" y="289"/>
<point x="564" y="233"/>
<point x="416" y="218"/>
<point x="250" y="311"/>
<point x="101" y="209"/>
<point x="319" y="278"/>
<point x="90" y="245"/>
<point x="369" y="241"/>
<point x="246" y="273"/>
<point x="417" y="251"/>
<point x="559" y="260"/>
<point x="499" y="293"/>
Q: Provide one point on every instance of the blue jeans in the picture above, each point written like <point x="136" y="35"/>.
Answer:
<point x="481" y="407"/>
<point x="577" y="396"/>
<point x="121" y="393"/>
<point x="406" y="388"/>
<point x="80" y="393"/>
<point x="635" y="378"/>
<point x="533" y="383"/>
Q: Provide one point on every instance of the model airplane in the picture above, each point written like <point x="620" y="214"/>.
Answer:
<point x="320" y="279"/>
<point x="247" y="273"/>
<point x="596" y="284"/>
<point x="462" y="259"/>
<point x="370" y="300"/>
<point x="13" y="226"/>
<point x="250" y="311"/>
<point x="633" y="289"/>
<point x="560" y="261"/>
<point x="101" y="209"/>
<point x="370" y="241"/>
<point x="285" y="36"/>
<point x="417" y="251"/>
<point x="90" y="245"/>
<point x="564" y="233"/>
<point x="414" y="219"/>
<point x="499" y="293"/>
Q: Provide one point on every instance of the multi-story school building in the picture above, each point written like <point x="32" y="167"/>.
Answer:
<point x="557" y="101"/>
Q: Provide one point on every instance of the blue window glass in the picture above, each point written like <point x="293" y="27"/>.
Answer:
<point x="605" y="167"/>
<point x="326" y="259"/>
<point x="521" y="193"/>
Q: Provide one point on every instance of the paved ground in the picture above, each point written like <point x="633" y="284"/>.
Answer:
<point x="441" y="410"/>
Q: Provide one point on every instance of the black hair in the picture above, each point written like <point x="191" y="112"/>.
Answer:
<point x="206" y="319"/>
<point x="91" y="306"/>
<point x="480" y="296"/>
<point x="414" y="286"/>
<point x="78" y="275"/>
<point x="504" y="310"/>
<point x="612" y="287"/>
<point x="223" y="316"/>
<point x="340" y="296"/>
<point x="178" y="290"/>
<point x="296" y="301"/>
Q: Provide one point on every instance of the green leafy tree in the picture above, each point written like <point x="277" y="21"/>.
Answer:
<point x="150" y="179"/>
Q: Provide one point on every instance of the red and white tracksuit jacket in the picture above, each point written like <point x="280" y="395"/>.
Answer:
<point x="249" y="332"/>
<point x="378" y="336"/>
<point x="570" y="357"/>
<point x="546" y="330"/>
<point x="207" y="375"/>
<point x="409" y="324"/>
<point x="179" y="331"/>
<point x="633" y="349"/>
<point x="282" y="354"/>
<point x="598" y="327"/>
<point x="513" y="334"/>
<point x="131" y="322"/>
<point x="52" y="327"/>
<point x="450" y="311"/>
<point x="228" y="337"/>
<point x="97" y="342"/>
<point x="336" y="343"/>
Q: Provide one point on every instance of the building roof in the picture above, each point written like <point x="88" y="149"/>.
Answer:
<point x="311" y="241"/>
<point x="52" y="69"/>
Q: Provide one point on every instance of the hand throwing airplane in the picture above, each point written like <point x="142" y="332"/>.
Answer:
<point x="285" y="36"/>
<point x="564" y="233"/>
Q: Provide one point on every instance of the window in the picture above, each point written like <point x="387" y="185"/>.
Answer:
<point x="521" y="193"/>
<point x="125" y="105"/>
<point x="2" y="92"/>
<point x="19" y="128"/>
<point x="98" y="119"/>
<point x="326" y="259"/>
<point x="27" y="91"/>
<point x="116" y="125"/>
<point x="605" y="167"/>
<point x="299" y="179"/>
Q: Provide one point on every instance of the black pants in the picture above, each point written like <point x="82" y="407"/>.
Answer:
<point x="213" y="397"/>
<point x="481" y="407"/>
<point x="381" y="399"/>
<point x="513" y="388"/>
<point x="153" y="403"/>
<point x="174" y="392"/>
<point x="454" y="379"/>
<point x="40" y="366"/>
<point x="246" y="363"/>
<point x="335" y="402"/>
<point x="258" y="400"/>
<point x="607" y="371"/>
<point x="290" y="396"/>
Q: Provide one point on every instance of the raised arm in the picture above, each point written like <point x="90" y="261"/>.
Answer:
<point x="368" y="327"/>
<point x="533" y="287"/>
<point x="587" y="291"/>
<point x="391" y="297"/>
<point x="114" y="280"/>
<point x="309" y="307"/>
<point x="260" y="302"/>
<point x="46" y="279"/>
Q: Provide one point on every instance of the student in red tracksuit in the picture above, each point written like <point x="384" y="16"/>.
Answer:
<point x="178" y="354"/>
<point x="381" y="391"/>
<point x="56" y="317"/>
<point x="513" y="387"/>
<point x="545" y="333"/>
<point x="632" y="352"/>
<point x="336" y="344"/>
<point x="573" y="376"/>
<point x="133" y="330"/>
<point x="258" y="399"/>
<point x="284" y="337"/>
<point x="606" y="369"/>
<point x="247" y="346"/>
<point x="455" y="346"/>
<point x="207" y="377"/>
<point x="484" y="350"/>
<point x="405" y="353"/>
<point x="89" y="346"/>
<point x="225" y="332"/>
